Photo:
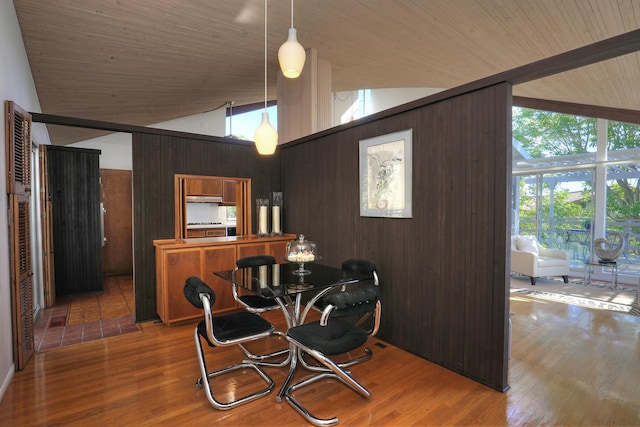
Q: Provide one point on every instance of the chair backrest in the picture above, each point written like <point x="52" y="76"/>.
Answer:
<point x="195" y="288"/>
<point x="252" y="262"/>
<point x="525" y="243"/>
<point x="255" y="261"/>
<point x="363" y="300"/>
<point x="362" y="266"/>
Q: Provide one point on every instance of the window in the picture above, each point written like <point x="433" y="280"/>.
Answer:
<point x="570" y="188"/>
<point x="243" y="125"/>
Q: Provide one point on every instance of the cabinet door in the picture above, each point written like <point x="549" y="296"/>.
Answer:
<point x="278" y="250"/>
<point x="252" y="249"/>
<point x="217" y="259"/>
<point x="216" y="232"/>
<point x="180" y="264"/>
<point x="196" y="233"/>
<point x="211" y="187"/>
<point x="275" y="249"/>
<point x="193" y="187"/>
<point x="229" y="192"/>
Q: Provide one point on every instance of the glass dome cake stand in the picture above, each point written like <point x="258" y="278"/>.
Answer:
<point x="301" y="271"/>
<point x="301" y="252"/>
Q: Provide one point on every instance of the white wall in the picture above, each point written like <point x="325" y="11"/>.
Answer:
<point x="116" y="147"/>
<point x="348" y="104"/>
<point x="382" y="99"/>
<point x="16" y="84"/>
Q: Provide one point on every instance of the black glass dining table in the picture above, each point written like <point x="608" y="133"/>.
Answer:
<point x="287" y="283"/>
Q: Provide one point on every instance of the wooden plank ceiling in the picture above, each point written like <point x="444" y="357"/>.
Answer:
<point x="146" y="61"/>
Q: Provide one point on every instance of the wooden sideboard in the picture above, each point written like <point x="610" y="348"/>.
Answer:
<point x="176" y="260"/>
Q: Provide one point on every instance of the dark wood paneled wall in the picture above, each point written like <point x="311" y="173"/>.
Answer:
<point x="443" y="272"/>
<point x="156" y="159"/>
<point x="74" y="188"/>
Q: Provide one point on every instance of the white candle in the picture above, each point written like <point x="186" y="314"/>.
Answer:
<point x="262" y="228"/>
<point x="262" y="273"/>
<point x="276" y="275"/>
<point x="275" y="213"/>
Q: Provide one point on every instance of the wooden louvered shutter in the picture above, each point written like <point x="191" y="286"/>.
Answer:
<point x="18" y="157"/>
<point x="22" y="280"/>
<point x="18" y="137"/>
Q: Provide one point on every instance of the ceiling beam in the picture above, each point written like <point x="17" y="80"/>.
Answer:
<point x="52" y="119"/>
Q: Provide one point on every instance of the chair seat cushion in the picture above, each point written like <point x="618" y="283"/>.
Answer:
<point x="546" y="261"/>
<point x="235" y="326"/>
<point x="256" y="301"/>
<point x="335" y="338"/>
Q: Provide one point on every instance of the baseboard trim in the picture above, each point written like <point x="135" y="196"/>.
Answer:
<point x="7" y="380"/>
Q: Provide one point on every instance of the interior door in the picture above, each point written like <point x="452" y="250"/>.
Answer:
<point x="18" y="157"/>
<point x="22" y="283"/>
<point x="115" y="194"/>
<point x="74" y="189"/>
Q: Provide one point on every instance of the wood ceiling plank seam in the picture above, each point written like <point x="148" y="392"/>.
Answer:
<point x="606" y="20"/>
<point x="616" y="20"/>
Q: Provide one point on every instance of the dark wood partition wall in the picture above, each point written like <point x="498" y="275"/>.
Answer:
<point x="156" y="159"/>
<point x="443" y="272"/>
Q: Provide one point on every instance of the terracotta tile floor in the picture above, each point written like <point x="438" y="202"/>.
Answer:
<point x="86" y="317"/>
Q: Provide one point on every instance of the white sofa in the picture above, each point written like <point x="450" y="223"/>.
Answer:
<point x="533" y="260"/>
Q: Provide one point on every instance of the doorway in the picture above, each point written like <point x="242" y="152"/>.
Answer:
<point x="36" y="234"/>
<point x="88" y="316"/>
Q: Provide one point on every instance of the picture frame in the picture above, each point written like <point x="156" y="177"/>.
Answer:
<point x="386" y="175"/>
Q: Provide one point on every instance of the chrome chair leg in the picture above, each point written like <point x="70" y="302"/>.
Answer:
<point x="292" y="372"/>
<point x="315" y="368"/>
<point x="312" y="379"/>
<point x="262" y="359"/>
<point x="203" y="381"/>
<point x="301" y="409"/>
<point x="333" y="371"/>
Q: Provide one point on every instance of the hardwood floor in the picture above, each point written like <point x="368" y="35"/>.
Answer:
<point x="570" y="366"/>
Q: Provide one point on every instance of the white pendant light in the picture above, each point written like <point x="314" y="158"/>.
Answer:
<point x="291" y="54"/>
<point x="265" y="136"/>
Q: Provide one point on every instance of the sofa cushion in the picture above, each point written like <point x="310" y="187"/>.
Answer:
<point x="547" y="261"/>
<point x="527" y="244"/>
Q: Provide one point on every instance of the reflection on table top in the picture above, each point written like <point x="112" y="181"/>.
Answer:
<point x="271" y="281"/>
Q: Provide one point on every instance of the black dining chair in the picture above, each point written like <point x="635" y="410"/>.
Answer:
<point x="331" y="336"/>
<point x="225" y="330"/>
<point x="362" y="266"/>
<point x="254" y="303"/>
<point x="259" y="305"/>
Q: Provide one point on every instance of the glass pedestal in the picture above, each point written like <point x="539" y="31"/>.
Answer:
<point x="590" y="265"/>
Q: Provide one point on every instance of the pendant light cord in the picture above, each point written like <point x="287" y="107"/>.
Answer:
<point x="291" y="13"/>
<point x="265" y="55"/>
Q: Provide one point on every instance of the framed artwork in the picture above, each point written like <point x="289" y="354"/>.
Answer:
<point x="385" y="175"/>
